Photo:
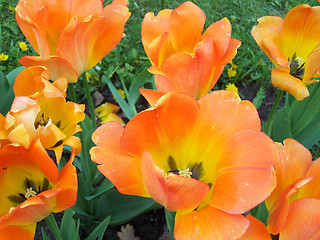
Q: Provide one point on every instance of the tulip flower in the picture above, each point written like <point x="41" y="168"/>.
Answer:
<point x="256" y="231"/>
<point x="294" y="205"/>
<point x="70" y="36"/>
<point x="205" y="159"/>
<point x="183" y="59"/>
<point x="32" y="188"/>
<point x="292" y="44"/>
<point x="107" y="112"/>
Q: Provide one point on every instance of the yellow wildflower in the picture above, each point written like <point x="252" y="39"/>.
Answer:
<point x="11" y="8"/>
<point x="3" y="57"/>
<point x="232" y="70"/>
<point x="121" y="92"/>
<point x="23" y="46"/>
<point x="232" y="87"/>
<point x="88" y="75"/>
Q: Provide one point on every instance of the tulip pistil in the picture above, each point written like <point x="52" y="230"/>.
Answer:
<point x="194" y="171"/>
<point x="297" y="67"/>
<point x="42" y="121"/>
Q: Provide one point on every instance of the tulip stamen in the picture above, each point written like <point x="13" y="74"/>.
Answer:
<point x="42" y="121"/>
<point x="30" y="193"/>
<point x="185" y="173"/>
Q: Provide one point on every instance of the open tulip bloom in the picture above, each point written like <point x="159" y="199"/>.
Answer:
<point x="70" y="36"/>
<point x="205" y="159"/>
<point x="183" y="59"/>
<point x="32" y="188"/>
<point x="292" y="44"/>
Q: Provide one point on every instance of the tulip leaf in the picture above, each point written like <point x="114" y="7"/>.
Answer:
<point x="99" y="230"/>
<point x="68" y="227"/>
<point x="170" y="219"/>
<point x="138" y="82"/>
<point x="44" y="235"/>
<point x="310" y="134"/>
<point x="6" y="94"/>
<point x="122" y="103"/>
<point x="303" y="112"/>
<point x="105" y="186"/>
<point x="281" y="125"/>
<point x="122" y="207"/>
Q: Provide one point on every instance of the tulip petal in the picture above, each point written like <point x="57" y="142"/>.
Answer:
<point x="152" y="96"/>
<point x="286" y="82"/>
<point x="312" y="66"/>
<point x="209" y="223"/>
<point x="186" y="25"/>
<point x="236" y="189"/>
<point x="122" y="169"/>
<point x="24" y="232"/>
<point x="174" y="192"/>
<point x="56" y="66"/>
<point x="312" y="189"/>
<point x="303" y="221"/>
<point x="256" y="231"/>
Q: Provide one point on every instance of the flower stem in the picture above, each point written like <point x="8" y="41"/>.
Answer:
<point x="72" y="92"/>
<point x="272" y="112"/>
<point x="89" y="100"/>
<point x="53" y="226"/>
<point x="162" y="4"/>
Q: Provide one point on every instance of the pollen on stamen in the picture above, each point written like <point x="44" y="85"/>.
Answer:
<point x="299" y="60"/>
<point x="30" y="193"/>
<point x="185" y="173"/>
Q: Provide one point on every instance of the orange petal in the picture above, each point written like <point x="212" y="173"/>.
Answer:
<point x="186" y="25"/>
<point x="122" y="169"/>
<point x="312" y="189"/>
<point x="68" y="182"/>
<point x="278" y="212"/>
<point x="295" y="162"/>
<point x="174" y="192"/>
<point x="299" y="36"/>
<point x="227" y="115"/>
<point x="159" y="133"/>
<point x="220" y="32"/>
<point x="209" y="223"/>
<point x="312" y="66"/>
<point x="237" y="190"/>
<point x="268" y="35"/>
<point x="84" y="44"/>
<point x="303" y="220"/>
<point x="286" y="82"/>
<point x="152" y="96"/>
<point x="256" y="231"/>
<point x="18" y="232"/>
<point x="56" y="66"/>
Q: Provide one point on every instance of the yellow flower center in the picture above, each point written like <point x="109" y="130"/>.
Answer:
<point x="297" y="67"/>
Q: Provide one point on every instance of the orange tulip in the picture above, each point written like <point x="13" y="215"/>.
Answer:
<point x="32" y="188"/>
<point x="183" y="59"/>
<point x="297" y="181"/>
<point x="207" y="160"/>
<point x="256" y="231"/>
<point x="292" y="44"/>
<point x="70" y="36"/>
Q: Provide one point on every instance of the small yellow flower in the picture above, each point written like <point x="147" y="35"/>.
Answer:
<point x="232" y="87"/>
<point x="3" y="57"/>
<point x="11" y="8"/>
<point x="122" y="93"/>
<point x="23" y="46"/>
<point x="88" y="75"/>
<point x="232" y="70"/>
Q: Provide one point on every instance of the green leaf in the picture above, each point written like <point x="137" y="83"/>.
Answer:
<point x="281" y="126"/>
<point x="68" y="227"/>
<point x="6" y="95"/>
<point x="122" y="103"/>
<point x="104" y="187"/>
<point x="303" y="112"/>
<point x="170" y="219"/>
<point x="122" y="207"/>
<point x="138" y="82"/>
<point x="260" y="212"/>
<point x="44" y="235"/>
<point x="261" y="94"/>
<point x="99" y="230"/>
<point x="310" y="134"/>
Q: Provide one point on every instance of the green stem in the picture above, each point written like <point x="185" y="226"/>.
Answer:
<point x="53" y="226"/>
<point x="72" y="92"/>
<point x="162" y="4"/>
<point x="272" y="112"/>
<point x="89" y="100"/>
<point x="170" y="219"/>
